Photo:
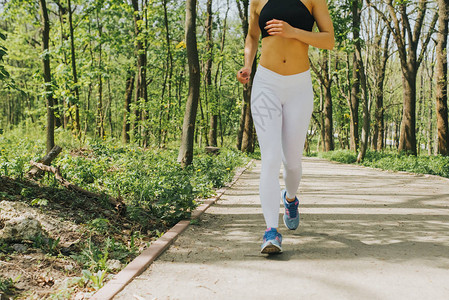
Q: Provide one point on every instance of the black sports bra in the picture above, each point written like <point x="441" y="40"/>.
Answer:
<point x="294" y="12"/>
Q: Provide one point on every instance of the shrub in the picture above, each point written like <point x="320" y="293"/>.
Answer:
<point x="392" y="160"/>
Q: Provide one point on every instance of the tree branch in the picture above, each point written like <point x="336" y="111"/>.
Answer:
<point x="419" y="20"/>
<point x="428" y="37"/>
<point x="317" y="73"/>
<point x="396" y="30"/>
<point x="406" y="23"/>
<point x="117" y="203"/>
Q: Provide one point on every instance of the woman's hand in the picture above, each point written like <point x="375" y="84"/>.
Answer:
<point x="244" y="74"/>
<point x="280" y="28"/>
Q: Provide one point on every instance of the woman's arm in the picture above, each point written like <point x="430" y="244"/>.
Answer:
<point x="324" y="39"/>
<point x="251" y="43"/>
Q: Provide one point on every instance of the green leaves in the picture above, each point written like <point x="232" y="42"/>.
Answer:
<point x="391" y="160"/>
<point x="3" y="52"/>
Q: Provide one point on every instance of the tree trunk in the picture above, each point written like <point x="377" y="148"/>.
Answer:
<point x="61" y="109"/>
<point x="100" y="112"/>
<point x="109" y="108"/>
<point x="241" y="123"/>
<point x="127" y="112"/>
<point x="185" y="156"/>
<point x="366" y="116"/>
<point x="245" y="137"/>
<point x="219" y="71"/>
<point x="328" y="122"/>
<point x="76" y="117"/>
<point x="208" y="76"/>
<point x="141" y="95"/>
<point x="407" y="138"/>
<point x="379" y="127"/>
<point x="248" y="132"/>
<point x="170" y="70"/>
<point x="243" y="13"/>
<point x="354" y="108"/>
<point x="441" y="78"/>
<point x="355" y="88"/>
<point x="429" y="128"/>
<point x="46" y="160"/>
<point x="322" y="140"/>
<point x="47" y="75"/>
<point x="325" y="78"/>
<point x="361" y="75"/>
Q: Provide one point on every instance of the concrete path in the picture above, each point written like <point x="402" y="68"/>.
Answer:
<point x="364" y="234"/>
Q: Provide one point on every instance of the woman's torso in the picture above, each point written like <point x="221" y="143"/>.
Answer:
<point x="282" y="55"/>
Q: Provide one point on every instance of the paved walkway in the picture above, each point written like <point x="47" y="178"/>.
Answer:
<point x="364" y="234"/>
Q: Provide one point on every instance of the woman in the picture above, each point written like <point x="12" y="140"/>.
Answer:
<point x="282" y="98"/>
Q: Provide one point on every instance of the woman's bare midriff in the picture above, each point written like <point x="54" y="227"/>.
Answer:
<point x="284" y="56"/>
<point x="281" y="55"/>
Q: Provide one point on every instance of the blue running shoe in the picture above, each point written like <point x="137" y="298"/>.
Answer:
<point x="291" y="215"/>
<point x="272" y="241"/>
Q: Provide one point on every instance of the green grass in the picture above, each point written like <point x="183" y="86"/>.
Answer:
<point x="7" y="286"/>
<point x="392" y="160"/>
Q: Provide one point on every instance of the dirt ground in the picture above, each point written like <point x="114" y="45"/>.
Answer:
<point x="36" y="273"/>
<point x="364" y="234"/>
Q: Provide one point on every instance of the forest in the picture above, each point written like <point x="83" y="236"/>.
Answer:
<point x="120" y="70"/>
<point x="139" y="93"/>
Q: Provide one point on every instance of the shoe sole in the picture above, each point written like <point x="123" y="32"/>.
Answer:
<point x="271" y="249"/>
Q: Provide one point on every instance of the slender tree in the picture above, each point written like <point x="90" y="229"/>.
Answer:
<point x="167" y="77"/>
<point x="441" y="78"/>
<point x="325" y="78"/>
<point x="76" y="113"/>
<point x="141" y="87"/>
<point x="100" y="109"/>
<point x="61" y="109"/>
<point x="185" y="156"/>
<point x="379" y="65"/>
<point x="355" y="86"/>
<point x="219" y="69"/>
<point x="45" y="23"/>
<point x="362" y="76"/>
<point x="126" y="108"/>
<point x="208" y="75"/>
<point x="245" y="138"/>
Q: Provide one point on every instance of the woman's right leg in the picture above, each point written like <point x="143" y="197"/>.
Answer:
<point x="266" y="111"/>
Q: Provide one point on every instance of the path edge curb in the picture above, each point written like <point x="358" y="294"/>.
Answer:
<point x="150" y="254"/>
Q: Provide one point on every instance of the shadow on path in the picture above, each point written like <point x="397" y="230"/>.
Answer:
<point x="364" y="233"/>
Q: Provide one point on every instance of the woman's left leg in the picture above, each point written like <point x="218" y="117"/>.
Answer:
<point x="296" y="113"/>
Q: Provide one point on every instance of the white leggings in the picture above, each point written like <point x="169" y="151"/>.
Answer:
<point x="281" y="107"/>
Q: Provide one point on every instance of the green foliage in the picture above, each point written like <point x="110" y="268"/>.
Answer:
<point x="48" y="245"/>
<point x="96" y="279"/>
<point x="391" y="160"/>
<point x="3" y="52"/>
<point x="151" y="181"/>
<point x="100" y="225"/>
<point x="39" y="202"/>
<point x="435" y="165"/>
<point x="94" y="257"/>
<point x="26" y="192"/>
<point x="6" y="196"/>
<point x="5" y="249"/>
<point x="343" y="156"/>
<point x="7" y="285"/>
